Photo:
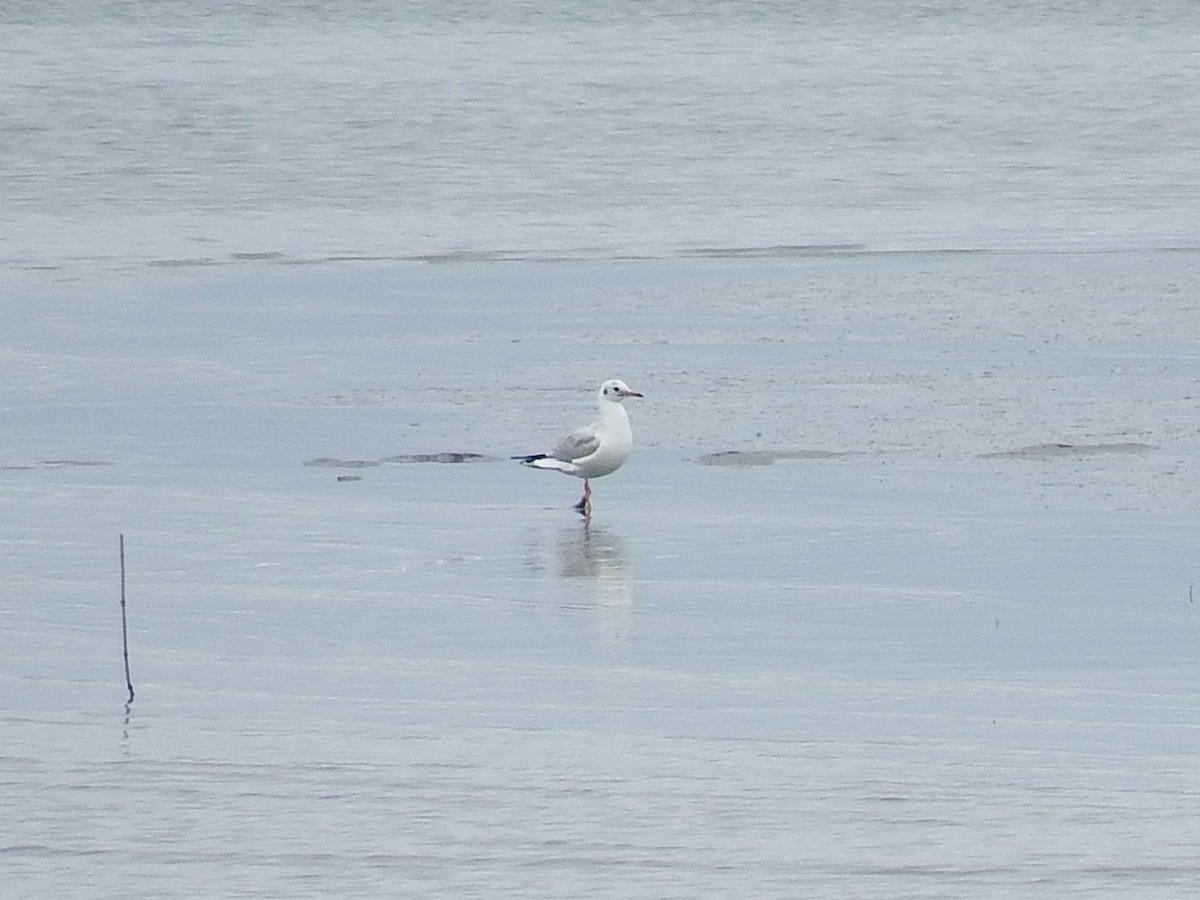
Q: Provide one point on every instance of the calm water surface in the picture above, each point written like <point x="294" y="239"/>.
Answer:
<point x="169" y="134"/>
<point x="947" y="648"/>
<point x="894" y="598"/>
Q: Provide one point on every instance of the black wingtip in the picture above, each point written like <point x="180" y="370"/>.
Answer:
<point x="531" y="457"/>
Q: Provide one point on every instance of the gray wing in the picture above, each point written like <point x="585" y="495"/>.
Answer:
<point x="576" y="445"/>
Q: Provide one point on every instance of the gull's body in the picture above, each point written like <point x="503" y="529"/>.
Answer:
<point x="594" y="450"/>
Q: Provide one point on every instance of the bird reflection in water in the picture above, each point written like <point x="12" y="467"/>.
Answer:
<point x="590" y="551"/>
<point x="593" y="570"/>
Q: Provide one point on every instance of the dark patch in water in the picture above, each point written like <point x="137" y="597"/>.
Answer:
<point x="472" y="256"/>
<point x="330" y="463"/>
<point x="349" y="478"/>
<point x="777" y="251"/>
<point x="1070" y="451"/>
<point x="182" y="263"/>
<point x="761" y="457"/>
<point x="345" y="258"/>
<point x="266" y="256"/>
<point x="55" y="464"/>
<point x="447" y="457"/>
<point x="453" y="456"/>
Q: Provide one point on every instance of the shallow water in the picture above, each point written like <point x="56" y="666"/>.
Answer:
<point x="895" y="597"/>
<point x="908" y="657"/>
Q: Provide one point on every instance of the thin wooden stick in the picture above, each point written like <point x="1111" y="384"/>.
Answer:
<point x="125" y="627"/>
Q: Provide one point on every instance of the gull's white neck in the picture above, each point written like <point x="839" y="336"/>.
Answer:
<point x="612" y="408"/>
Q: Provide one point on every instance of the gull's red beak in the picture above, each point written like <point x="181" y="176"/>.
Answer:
<point x="631" y="393"/>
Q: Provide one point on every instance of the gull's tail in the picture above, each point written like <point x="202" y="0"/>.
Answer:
<point x="544" y="461"/>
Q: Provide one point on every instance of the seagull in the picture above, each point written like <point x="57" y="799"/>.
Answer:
<point x="596" y="449"/>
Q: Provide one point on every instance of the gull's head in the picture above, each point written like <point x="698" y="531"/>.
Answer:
<point x="615" y="390"/>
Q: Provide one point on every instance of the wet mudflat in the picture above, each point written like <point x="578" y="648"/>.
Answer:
<point x="891" y="598"/>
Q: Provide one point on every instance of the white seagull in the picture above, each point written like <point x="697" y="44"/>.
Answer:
<point x="596" y="449"/>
